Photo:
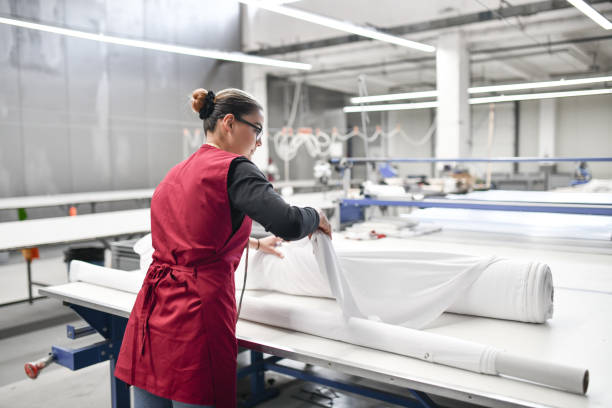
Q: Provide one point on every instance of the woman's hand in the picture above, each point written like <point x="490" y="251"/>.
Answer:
<point x="324" y="225"/>
<point x="268" y="245"/>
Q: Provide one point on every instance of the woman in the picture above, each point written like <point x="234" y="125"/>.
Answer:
<point x="179" y="347"/>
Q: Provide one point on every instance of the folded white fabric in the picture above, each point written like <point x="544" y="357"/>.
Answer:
<point x="383" y="190"/>
<point x="127" y="281"/>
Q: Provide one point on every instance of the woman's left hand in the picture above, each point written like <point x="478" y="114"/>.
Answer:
<point x="269" y="245"/>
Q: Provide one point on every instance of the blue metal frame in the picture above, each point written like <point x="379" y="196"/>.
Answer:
<point x="590" y="209"/>
<point x="112" y="328"/>
<point x="259" y="393"/>
<point x="470" y="160"/>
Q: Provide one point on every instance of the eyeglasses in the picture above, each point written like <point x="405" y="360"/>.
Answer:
<point x="258" y="129"/>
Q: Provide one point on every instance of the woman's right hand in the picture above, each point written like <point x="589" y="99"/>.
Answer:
<point x="324" y="224"/>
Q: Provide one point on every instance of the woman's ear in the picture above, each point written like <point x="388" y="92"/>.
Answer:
<point x="228" y="121"/>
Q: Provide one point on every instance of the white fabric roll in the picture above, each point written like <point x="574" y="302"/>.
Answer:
<point x="406" y="287"/>
<point x="512" y="290"/>
<point x="127" y="281"/>
<point x="328" y="321"/>
<point x="331" y="324"/>
<point x="144" y="248"/>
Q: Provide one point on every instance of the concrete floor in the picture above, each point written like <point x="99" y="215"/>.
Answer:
<point x="27" y="332"/>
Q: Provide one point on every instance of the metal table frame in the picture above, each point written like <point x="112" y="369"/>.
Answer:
<point x="111" y="326"/>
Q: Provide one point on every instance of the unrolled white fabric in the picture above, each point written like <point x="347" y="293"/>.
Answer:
<point x="406" y="287"/>
<point x="399" y="286"/>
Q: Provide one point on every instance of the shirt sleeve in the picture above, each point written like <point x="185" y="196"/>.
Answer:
<point x="250" y="193"/>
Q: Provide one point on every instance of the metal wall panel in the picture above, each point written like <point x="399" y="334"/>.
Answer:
<point x="77" y="115"/>
<point x="11" y="140"/>
<point x="44" y="104"/>
<point x="88" y="95"/>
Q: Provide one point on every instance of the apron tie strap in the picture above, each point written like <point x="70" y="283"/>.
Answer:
<point x="155" y="275"/>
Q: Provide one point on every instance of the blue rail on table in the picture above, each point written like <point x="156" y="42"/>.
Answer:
<point x="470" y="159"/>
<point x="589" y="209"/>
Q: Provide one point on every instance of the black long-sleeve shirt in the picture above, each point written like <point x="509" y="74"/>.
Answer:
<point x="251" y="194"/>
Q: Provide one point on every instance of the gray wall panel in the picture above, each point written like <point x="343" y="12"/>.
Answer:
<point x="44" y="102"/>
<point x="12" y="179"/>
<point x="90" y="116"/>
<point x="88" y="95"/>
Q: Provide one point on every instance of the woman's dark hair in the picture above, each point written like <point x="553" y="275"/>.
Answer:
<point x="212" y="107"/>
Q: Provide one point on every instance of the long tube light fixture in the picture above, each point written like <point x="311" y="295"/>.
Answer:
<point x="196" y="52"/>
<point x="476" y="101"/>
<point x="484" y="89"/>
<point x="591" y="13"/>
<point x="337" y="24"/>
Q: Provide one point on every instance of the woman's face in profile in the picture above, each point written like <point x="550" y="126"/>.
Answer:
<point x="248" y="130"/>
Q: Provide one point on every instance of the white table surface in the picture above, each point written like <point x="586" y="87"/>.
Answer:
<point x="74" y="198"/>
<point x="579" y="334"/>
<point x="59" y="230"/>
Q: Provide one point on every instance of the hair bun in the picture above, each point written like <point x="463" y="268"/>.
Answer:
<point x="208" y="106"/>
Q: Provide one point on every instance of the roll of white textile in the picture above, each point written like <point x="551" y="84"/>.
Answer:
<point x="511" y="290"/>
<point x="404" y="287"/>
<point x="144" y="248"/>
<point x="127" y="281"/>
<point x="329" y="322"/>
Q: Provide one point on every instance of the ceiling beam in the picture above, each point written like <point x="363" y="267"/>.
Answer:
<point x="504" y="12"/>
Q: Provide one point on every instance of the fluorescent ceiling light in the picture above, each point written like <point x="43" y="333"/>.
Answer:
<point x="536" y="85"/>
<point x="591" y="13"/>
<point x="196" y="52"/>
<point x="395" y="97"/>
<point x="476" y="101"/>
<point x="337" y="24"/>
<point x="395" y="106"/>
<point x="545" y="95"/>
<point x="484" y="89"/>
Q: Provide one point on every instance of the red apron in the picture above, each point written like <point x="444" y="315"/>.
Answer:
<point x="180" y="341"/>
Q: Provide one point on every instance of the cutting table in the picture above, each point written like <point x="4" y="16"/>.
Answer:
<point x="579" y="334"/>
<point x="16" y="235"/>
<point x="59" y="200"/>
